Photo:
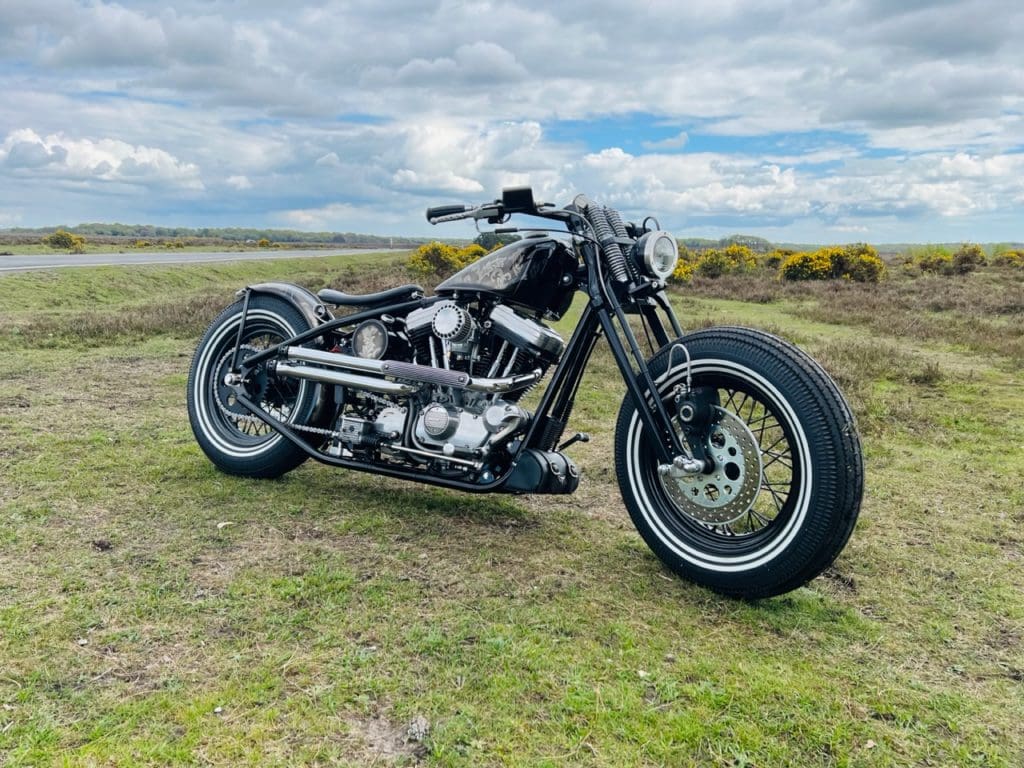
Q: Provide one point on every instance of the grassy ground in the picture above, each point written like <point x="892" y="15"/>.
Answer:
<point x="154" y="611"/>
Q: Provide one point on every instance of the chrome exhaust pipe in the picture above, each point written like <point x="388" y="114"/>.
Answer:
<point x="344" y="379"/>
<point x="336" y="360"/>
<point x="421" y="374"/>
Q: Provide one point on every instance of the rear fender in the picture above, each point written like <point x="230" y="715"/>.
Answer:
<point x="303" y="300"/>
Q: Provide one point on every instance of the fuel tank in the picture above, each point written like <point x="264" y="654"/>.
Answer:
<point x="537" y="273"/>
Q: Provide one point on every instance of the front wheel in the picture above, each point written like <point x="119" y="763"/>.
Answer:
<point x="783" y="495"/>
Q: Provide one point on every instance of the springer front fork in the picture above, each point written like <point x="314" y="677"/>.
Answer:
<point x="691" y="408"/>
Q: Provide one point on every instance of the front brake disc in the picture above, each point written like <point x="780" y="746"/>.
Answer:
<point x="724" y="495"/>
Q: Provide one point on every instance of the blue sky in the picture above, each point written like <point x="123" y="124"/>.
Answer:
<point x="799" y="121"/>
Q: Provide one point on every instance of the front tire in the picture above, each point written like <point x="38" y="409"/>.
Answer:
<point x="786" y="506"/>
<point x="234" y="440"/>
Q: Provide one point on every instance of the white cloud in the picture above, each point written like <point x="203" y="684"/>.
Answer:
<point x="101" y="160"/>
<point x="673" y="142"/>
<point x="412" y="102"/>
<point x="110" y="35"/>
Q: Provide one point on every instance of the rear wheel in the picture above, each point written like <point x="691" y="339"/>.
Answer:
<point x="235" y="440"/>
<point x="784" y="494"/>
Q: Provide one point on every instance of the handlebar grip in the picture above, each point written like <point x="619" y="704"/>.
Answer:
<point x="438" y="211"/>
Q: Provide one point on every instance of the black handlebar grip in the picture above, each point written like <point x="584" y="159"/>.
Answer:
<point x="446" y="210"/>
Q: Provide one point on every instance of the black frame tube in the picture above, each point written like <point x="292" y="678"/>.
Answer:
<point x="339" y="322"/>
<point x="241" y="328"/>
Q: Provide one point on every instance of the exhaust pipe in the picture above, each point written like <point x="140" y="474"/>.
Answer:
<point x="344" y="379"/>
<point x="421" y="374"/>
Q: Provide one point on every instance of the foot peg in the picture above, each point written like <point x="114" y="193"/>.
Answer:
<point x="579" y="437"/>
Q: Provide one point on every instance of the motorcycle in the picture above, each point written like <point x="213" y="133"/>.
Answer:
<point x="737" y="457"/>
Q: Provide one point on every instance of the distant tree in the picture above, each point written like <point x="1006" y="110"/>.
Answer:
<point x="756" y="244"/>
<point x="489" y="241"/>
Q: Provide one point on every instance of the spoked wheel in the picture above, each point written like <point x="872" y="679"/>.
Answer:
<point x="783" y="495"/>
<point x="234" y="439"/>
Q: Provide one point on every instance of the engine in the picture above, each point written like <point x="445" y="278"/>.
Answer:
<point x="447" y="335"/>
<point x="461" y="425"/>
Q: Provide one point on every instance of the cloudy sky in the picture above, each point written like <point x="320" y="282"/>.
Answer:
<point x="808" y="120"/>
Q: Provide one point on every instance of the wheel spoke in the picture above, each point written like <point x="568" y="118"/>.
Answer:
<point x="783" y="459"/>
<point x="779" y="501"/>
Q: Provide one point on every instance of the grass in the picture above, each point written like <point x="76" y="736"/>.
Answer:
<point x="154" y="611"/>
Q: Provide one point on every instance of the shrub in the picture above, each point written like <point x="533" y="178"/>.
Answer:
<point x="466" y="256"/>
<point x="931" y="258"/>
<point x="263" y="243"/>
<point x="61" y="240"/>
<point x="807" y="265"/>
<point x="858" y="262"/>
<point x="967" y="258"/>
<point x="684" y="270"/>
<point x="733" y="258"/>
<point x="775" y="258"/>
<point x="1008" y="258"/>
<point x="67" y="241"/>
<point x="440" y="260"/>
<point x="712" y="263"/>
<point x="740" y="257"/>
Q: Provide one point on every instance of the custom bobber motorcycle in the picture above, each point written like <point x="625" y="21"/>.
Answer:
<point x="736" y="455"/>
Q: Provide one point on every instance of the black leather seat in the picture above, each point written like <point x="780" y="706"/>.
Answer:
<point x="390" y="296"/>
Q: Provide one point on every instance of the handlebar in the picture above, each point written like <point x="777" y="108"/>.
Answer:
<point x="513" y="200"/>
<point x="441" y="211"/>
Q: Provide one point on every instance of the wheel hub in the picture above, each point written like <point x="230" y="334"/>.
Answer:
<point x="726" y="493"/>
<point x="255" y="386"/>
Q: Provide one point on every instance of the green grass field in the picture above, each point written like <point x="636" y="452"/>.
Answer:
<point x="154" y="611"/>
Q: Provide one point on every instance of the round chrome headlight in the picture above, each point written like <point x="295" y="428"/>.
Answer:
<point x="660" y="253"/>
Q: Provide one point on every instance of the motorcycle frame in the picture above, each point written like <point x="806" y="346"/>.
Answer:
<point x="605" y="313"/>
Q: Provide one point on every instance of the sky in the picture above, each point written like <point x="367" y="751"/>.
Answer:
<point x="800" y="121"/>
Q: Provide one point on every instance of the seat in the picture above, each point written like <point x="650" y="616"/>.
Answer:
<point x="390" y="296"/>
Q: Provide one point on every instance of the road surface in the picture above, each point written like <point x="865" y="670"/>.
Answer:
<point x="63" y="260"/>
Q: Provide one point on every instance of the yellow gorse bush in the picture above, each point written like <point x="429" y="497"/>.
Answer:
<point x="440" y="260"/>
<point x="858" y="262"/>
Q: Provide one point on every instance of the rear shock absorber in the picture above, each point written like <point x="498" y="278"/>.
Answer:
<point x="597" y="215"/>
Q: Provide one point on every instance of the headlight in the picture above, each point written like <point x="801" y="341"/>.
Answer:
<point x="660" y="253"/>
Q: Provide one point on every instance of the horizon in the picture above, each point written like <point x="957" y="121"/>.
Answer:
<point x="857" y="122"/>
<point x="382" y="235"/>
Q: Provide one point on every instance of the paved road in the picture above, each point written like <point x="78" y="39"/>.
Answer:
<point x="63" y="260"/>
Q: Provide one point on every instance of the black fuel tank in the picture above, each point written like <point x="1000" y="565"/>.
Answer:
<point x="536" y="272"/>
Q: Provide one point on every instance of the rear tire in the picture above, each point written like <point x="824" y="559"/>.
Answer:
<point x="805" y="473"/>
<point x="231" y="439"/>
